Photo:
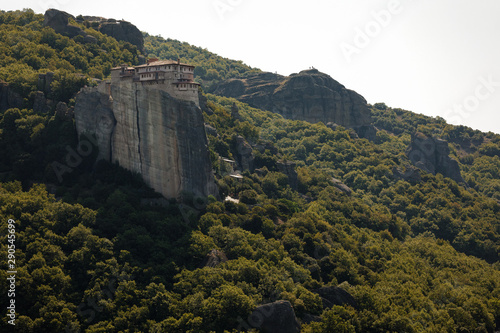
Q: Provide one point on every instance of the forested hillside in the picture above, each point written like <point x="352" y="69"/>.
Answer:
<point x="99" y="251"/>
<point x="478" y="153"/>
<point x="210" y="68"/>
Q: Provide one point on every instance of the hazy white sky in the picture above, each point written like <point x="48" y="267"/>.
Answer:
<point x="436" y="57"/>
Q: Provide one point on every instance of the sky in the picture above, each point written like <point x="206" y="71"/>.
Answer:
<point x="435" y="57"/>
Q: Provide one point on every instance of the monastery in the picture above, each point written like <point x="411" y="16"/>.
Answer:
<point x="174" y="77"/>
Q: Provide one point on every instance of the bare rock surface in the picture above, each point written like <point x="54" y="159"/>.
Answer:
<point x="245" y="155"/>
<point x="341" y="186"/>
<point x="214" y="258"/>
<point x="335" y="296"/>
<point x="276" y="317"/>
<point x="145" y="130"/>
<point x="309" y="95"/>
<point x="431" y="154"/>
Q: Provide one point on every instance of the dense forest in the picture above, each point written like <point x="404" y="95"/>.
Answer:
<point x="93" y="255"/>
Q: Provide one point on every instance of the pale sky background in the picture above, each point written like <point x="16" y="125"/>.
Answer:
<point x="436" y="57"/>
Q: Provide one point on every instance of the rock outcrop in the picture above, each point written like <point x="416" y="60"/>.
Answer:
<point x="335" y="296"/>
<point x="40" y="103"/>
<point x="341" y="186"/>
<point x="120" y="30"/>
<point x="309" y="95"/>
<point x="235" y="112"/>
<point x="432" y="155"/>
<point x="145" y="130"/>
<point x="45" y="81"/>
<point x="214" y="258"/>
<point x="59" y="21"/>
<point x="411" y="174"/>
<point x="63" y="111"/>
<point x="277" y="317"/>
<point x="9" y="98"/>
<point x="245" y="157"/>
<point x="288" y="168"/>
<point x="211" y="130"/>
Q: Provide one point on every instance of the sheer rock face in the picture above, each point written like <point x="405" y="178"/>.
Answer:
<point x="432" y="155"/>
<point x="147" y="131"/>
<point x="310" y="95"/>
<point x="94" y="115"/>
